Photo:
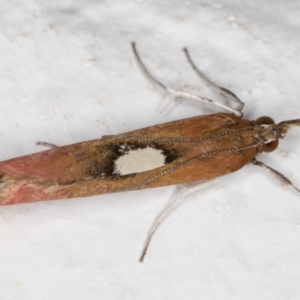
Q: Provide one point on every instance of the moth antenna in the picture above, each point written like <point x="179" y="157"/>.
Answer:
<point x="186" y="190"/>
<point x="45" y="144"/>
<point x="279" y="176"/>
<point x="223" y="91"/>
<point x="180" y="94"/>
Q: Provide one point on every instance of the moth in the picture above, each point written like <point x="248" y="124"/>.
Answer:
<point x="184" y="151"/>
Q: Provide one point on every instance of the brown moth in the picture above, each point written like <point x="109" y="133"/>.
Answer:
<point x="183" y="151"/>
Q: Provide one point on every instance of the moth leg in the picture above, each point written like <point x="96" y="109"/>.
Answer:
<point x="186" y="190"/>
<point x="223" y="91"/>
<point x="180" y="94"/>
<point x="45" y="144"/>
<point x="279" y="176"/>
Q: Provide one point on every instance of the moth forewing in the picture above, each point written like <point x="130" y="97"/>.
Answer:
<point x="197" y="151"/>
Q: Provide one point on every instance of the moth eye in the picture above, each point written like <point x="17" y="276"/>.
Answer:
<point x="269" y="147"/>
<point x="264" y="121"/>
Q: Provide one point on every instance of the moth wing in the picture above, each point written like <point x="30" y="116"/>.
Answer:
<point x="89" y="168"/>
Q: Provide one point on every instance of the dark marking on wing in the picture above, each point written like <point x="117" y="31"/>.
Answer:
<point x="103" y="166"/>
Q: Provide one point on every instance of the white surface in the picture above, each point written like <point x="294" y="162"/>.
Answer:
<point x="67" y="74"/>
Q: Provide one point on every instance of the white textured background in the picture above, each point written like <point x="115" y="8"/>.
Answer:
<point x="67" y="74"/>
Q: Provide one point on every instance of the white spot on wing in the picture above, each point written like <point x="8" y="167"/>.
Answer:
<point x="139" y="160"/>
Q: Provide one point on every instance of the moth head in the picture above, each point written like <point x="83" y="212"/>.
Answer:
<point x="269" y="132"/>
